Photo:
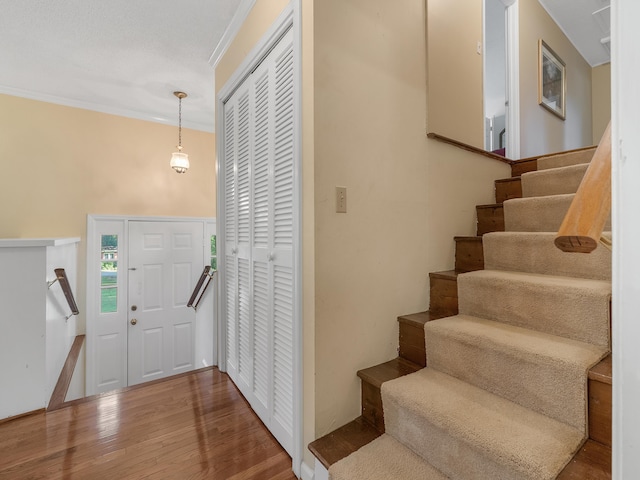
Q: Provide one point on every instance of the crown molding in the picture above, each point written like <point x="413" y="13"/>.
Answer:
<point x="97" y="107"/>
<point x="232" y="30"/>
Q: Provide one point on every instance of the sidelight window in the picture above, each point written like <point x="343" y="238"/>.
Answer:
<point x="109" y="274"/>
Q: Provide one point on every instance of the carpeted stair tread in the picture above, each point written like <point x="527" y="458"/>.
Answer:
<point x="538" y="214"/>
<point x="555" y="181"/>
<point x="536" y="253"/>
<point x="566" y="159"/>
<point x="543" y="372"/>
<point x="565" y="306"/>
<point x="466" y="432"/>
<point x="384" y="459"/>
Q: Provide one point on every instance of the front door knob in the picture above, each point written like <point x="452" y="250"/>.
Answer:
<point x="133" y="321"/>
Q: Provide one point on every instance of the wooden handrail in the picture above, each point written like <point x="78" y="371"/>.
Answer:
<point x="553" y="154"/>
<point x="469" y="148"/>
<point x="64" y="380"/>
<point x="198" y="291"/>
<point x="480" y="151"/>
<point x="584" y="222"/>
<point x="61" y="277"/>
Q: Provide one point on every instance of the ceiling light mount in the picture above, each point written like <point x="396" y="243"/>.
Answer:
<point x="180" y="161"/>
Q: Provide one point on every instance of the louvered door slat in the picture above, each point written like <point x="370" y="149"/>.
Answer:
<point x="261" y="332"/>
<point x="262" y="155"/>
<point x="283" y="346"/>
<point x="245" y="329"/>
<point x="243" y="169"/>
<point x="283" y="161"/>
<point x="230" y="298"/>
<point x="229" y="175"/>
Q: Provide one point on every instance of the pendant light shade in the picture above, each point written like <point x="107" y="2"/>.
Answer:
<point x="179" y="161"/>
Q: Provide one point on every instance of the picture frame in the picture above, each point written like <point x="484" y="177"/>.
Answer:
<point x="552" y="80"/>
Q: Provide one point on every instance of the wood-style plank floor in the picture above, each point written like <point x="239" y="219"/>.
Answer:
<point x="188" y="427"/>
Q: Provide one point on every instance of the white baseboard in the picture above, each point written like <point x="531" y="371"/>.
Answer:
<point x="321" y="473"/>
<point x="306" y="472"/>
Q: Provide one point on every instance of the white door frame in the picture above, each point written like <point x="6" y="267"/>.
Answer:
<point x="625" y="171"/>
<point x="289" y="18"/>
<point x="93" y="252"/>
<point x="513" y="78"/>
<point x="512" y="93"/>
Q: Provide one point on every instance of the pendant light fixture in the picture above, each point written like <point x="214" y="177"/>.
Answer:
<point x="179" y="160"/>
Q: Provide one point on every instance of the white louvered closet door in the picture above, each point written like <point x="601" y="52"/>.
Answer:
<point x="259" y="227"/>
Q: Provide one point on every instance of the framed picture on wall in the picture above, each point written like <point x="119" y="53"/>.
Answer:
<point x="552" y="83"/>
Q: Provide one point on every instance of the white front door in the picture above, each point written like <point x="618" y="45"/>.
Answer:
<point x="165" y="261"/>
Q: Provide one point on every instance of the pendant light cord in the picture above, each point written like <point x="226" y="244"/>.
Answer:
<point x="180" y="124"/>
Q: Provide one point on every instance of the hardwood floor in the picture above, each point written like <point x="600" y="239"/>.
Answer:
<point x="188" y="427"/>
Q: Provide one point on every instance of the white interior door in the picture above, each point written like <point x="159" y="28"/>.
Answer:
<point x="165" y="260"/>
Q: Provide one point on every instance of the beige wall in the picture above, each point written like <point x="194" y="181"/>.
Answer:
<point x="600" y="99"/>
<point x="407" y="196"/>
<point x="261" y="17"/>
<point x="62" y="163"/>
<point x="542" y="131"/>
<point x="455" y="70"/>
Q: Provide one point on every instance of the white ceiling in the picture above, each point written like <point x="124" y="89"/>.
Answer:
<point x="586" y="23"/>
<point x="125" y="57"/>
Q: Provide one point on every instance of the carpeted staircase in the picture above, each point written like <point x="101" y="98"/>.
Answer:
<point x="504" y="394"/>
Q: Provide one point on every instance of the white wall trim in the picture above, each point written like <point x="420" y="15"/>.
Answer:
<point x="625" y="171"/>
<point x="98" y="107"/>
<point x="232" y="30"/>
<point x="298" y="334"/>
<point x="321" y="473"/>
<point x="513" y="81"/>
<point x="306" y="472"/>
<point x="147" y="218"/>
<point x="289" y="18"/>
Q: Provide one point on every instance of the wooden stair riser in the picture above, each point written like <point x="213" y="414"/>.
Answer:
<point x="372" y="410"/>
<point x="443" y="294"/>
<point x="600" y="412"/>
<point x="411" y="344"/>
<point x="508" y="188"/>
<point x="469" y="254"/>
<point x="372" y="379"/>
<point x="411" y="336"/>
<point x="490" y="219"/>
<point x="519" y="168"/>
